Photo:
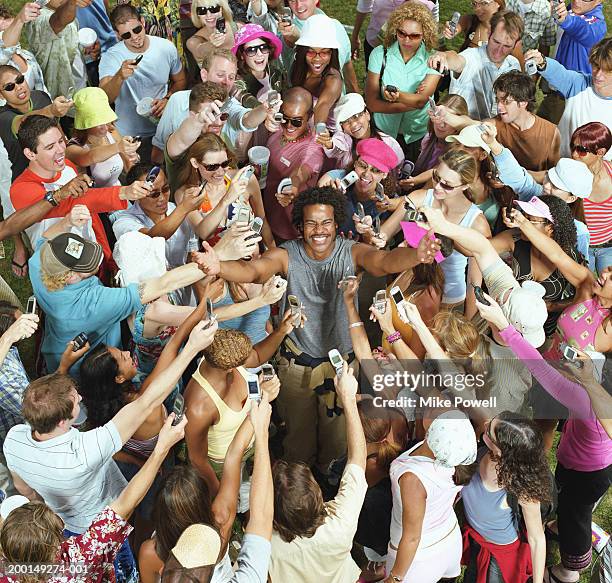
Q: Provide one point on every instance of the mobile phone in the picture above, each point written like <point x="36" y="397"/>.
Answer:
<point x="482" y="128"/>
<point x="414" y="216"/>
<point x="256" y="226"/>
<point x="138" y="59"/>
<point x="320" y="128"/>
<point x="360" y="211"/>
<point x="380" y="300"/>
<point x="178" y="409"/>
<point x="480" y="295"/>
<point x="509" y="210"/>
<point x="391" y="89"/>
<point x="454" y="21"/>
<point x="286" y="15"/>
<point x="406" y="169"/>
<point x="376" y="225"/>
<point x="134" y="139"/>
<point x="70" y="93"/>
<point x="279" y="117"/>
<point x="397" y="296"/>
<point x="243" y="215"/>
<point x="225" y="105"/>
<point x="79" y="341"/>
<point x="279" y="281"/>
<point x="152" y="175"/>
<point x="433" y="106"/>
<point x="31" y="306"/>
<point x="344" y="282"/>
<point x="380" y="193"/>
<point x="273" y="98"/>
<point x="248" y="172"/>
<point x="569" y="353"/>
<point x="220" y="25"/>
<point x="210" y="313"/>
<point x="296" y="309"/>
<point x="267" y="372"/>
<point x="337" y="361"/>
<point x="42" y="3"/>
<point x="349" y="179"/>
<point x="530" y="67"/>
<point x="202" y="186"/>
<point x="253" y="387"/>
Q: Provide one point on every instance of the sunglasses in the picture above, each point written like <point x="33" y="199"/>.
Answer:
<point x="157" y="193"/>
<point x="128" y="34"/>
<point x="18" y="81"/>
<point x="324" y="54"/>
<point x="582" y="151"/>
<point x="264" y="49"/>
<point x="202" y="10"/>
<point x="296" y="122"/>
<point x="445" y="185"/>
<point x="215" y="167"/>
<point x="408" y="35"/>
<point x="364" y="166"/>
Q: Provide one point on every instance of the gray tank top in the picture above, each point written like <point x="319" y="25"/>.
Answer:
<point x="315" y="283"/>
<point x="487" y="513"/>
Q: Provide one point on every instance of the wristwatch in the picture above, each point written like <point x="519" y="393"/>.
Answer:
<point x="50" y="198"/>
<point x="396" y="578"/>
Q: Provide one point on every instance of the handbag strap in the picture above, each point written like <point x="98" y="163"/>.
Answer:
<point x="382" y="71"/>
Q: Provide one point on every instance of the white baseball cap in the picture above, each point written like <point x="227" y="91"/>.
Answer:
<point x="572" y="176"/>
<point x="10" y="504"/>
<point x="526" y="310"/>
<point x="349" y="105"/>
<point x="470" y="136"/>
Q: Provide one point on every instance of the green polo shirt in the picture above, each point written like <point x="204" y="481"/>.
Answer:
<point x="406" y="77"/>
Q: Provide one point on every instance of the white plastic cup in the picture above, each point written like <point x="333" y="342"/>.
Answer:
<point x="143" y="107"/>
<point x="87" y="37"/>
<point x="259" y="157"/>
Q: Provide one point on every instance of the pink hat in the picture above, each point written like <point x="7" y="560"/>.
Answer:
<point x="251" y="32"/>
<point x="376" y="153"/>
<point x="536" y="208"/>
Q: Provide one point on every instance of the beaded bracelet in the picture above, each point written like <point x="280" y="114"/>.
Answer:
<point x="393" y="337"/>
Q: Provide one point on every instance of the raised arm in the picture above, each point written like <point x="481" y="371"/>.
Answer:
<point x="130" y="417"/>
<point x="346" y="387"/>
<point x="12" y="33"/>
<point x="172" y="280"/>
<point x="63" y="16"/>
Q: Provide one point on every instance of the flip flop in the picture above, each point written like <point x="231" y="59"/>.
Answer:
<point x="552" y="578"/>
<point x="22" y="267"/>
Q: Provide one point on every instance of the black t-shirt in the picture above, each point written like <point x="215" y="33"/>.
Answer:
<point x="38" y="100"/>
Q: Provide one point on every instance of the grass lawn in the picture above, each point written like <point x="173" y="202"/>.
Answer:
<point x="345" y="12"/>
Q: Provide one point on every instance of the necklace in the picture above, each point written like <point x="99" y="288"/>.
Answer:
<point x="285" y="141"/>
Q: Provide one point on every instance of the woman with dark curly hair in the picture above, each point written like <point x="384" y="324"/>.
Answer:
<point x="399" y="81"/>
<point x="553" y="217"/>
<point x="502" y="504"/>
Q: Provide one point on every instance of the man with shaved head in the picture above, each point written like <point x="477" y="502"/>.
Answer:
<point x="293" y="154"/>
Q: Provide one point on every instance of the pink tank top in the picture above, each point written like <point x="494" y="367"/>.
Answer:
<point x="577" y="326"/>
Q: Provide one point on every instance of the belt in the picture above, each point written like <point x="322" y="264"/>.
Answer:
<point x="602" y="245"/>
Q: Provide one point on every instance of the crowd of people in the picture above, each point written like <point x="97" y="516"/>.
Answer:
<point x="291" y="325"/>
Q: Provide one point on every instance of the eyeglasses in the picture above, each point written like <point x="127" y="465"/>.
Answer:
<point x="202" y="10"/>
<point x="504" y="100"/>
<point x="410" y="35"/>
<point x="128" y="34"/>
<point x="264" y="49"/>
<point x="364" y="166"/>
<point x="322" y="54"/>
<point x="480" y="3"/>
<point x="582" y="151"/>
<point x="165" y="189"/>
<point x="214" y="167"/>
<point x="445" y="185"/>
<point x="296" y="122"/>
<point x="18" y="81"/>
<point x="354" y="117"/>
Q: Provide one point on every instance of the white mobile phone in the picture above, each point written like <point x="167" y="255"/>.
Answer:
<point x="349" y="179"/>
<point x="246" y="176"/>
<point x="360" y="211"/>
<point x="397" y="295"/>
<point x="243" y="215"/>
<point x="267" y="372"/>
<point x="210" y="313"/>
<point x="296" y="309"/>
<point x="253" y="387"/>
<point x="380" y="301"/>
<point x="337" y="361"/>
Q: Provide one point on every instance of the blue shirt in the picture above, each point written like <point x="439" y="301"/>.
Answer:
<point x="86" y="306"/>
<point x="95" y="17"/>
<point x="13" y="382"/>
<point x="518" y="179"/>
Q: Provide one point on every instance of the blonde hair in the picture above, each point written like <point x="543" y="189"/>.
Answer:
<point x="460" y="339"/>
<point x="57" y="281"/>
<point x="229" y="349"/>
<point x="225" y="11"/>
<point x="463" y="163"/>
<point x="418" y="13"/>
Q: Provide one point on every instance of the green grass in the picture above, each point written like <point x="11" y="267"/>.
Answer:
<point x="344" y="11"/>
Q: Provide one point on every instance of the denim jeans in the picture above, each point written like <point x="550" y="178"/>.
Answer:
<point x="599" y="258"/>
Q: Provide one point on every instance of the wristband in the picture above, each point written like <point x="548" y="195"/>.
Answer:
<point x="393" y="337"/>
<point x="356" y="324"/>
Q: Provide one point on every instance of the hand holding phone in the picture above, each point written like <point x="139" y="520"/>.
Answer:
<point x="79" y="341"/>
<point x="380" y="301"/>
<point x="31" y="306"/>
<point x="337" y="361"/>
<point x="138" y="59"/>
<point x="178" y="409"/>
<point x="296" y="310"/>
<point x="480" y="295"/>
<point x="267" y="372"/>
<point x="254" y="389"/>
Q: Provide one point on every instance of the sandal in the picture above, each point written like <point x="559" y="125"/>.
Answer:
<point x="20" y="269"/>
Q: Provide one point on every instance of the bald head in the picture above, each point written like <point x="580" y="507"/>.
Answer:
<point x="298" y="96"/>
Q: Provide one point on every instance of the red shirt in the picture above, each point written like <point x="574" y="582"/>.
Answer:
<point x="88" y="557"/>
<point x="29" y="188"/>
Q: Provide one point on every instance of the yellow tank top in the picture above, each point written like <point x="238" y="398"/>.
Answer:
<point x="221" y="434"/>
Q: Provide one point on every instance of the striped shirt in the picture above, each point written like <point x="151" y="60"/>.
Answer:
<point x="598" y="216"/>
<point x="74" y="472"/>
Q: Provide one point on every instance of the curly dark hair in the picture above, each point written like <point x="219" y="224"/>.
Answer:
<point x="564" y="228"/>
<point x="319" y="195"/>
<point x="103" y="396"/>
<point x="522" y="468"/>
